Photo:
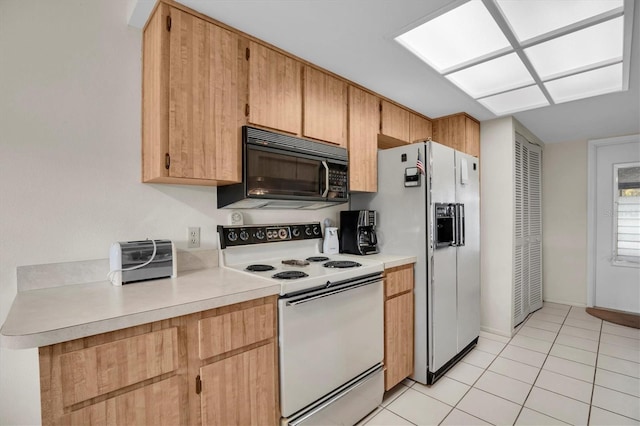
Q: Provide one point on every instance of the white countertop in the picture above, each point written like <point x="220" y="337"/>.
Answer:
<point x="53" y="315"/>
<point x="46" y="316"/>
<point x="389" y="260"/>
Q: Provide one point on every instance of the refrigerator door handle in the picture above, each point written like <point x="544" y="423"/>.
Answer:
<point x="456" y="231"/>
<point x="460" y="225"/>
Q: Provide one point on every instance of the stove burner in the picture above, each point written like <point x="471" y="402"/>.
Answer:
<point x="295" y="262"/>
<point x="260" y="268"/>
<point x="317" y="258"/>
<point x="341" y="264"/>
<point x="290" y="275"/>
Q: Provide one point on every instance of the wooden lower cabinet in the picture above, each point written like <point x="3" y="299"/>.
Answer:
<point x="155" y="404"/>
<point x="398" y="325"/>
<point x="240" y="390"/>
<point x="217" y="367"/>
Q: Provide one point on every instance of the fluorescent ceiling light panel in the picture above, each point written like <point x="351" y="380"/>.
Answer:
<point x="498" y="75"/>
<point x="586" y="84"/>
<point x="591" y="46"/>
<point x="502" y="54"/>
<point x="516" y="100"/>
<point x="465" y="33"/>
<point x="531" y="18"/>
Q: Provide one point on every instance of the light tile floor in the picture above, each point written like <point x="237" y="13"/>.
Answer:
<point x="562" y="367"/>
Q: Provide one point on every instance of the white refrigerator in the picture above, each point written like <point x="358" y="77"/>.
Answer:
<point x="435" y="216"/>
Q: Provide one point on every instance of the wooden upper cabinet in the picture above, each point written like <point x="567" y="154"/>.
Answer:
<point x="472" y="137"/>
<point x="403" y="124"/>
<point x="420" y="129"/>
<point x="325" y="107"/>
<point x="275" y="90"/>
<point x="190" y="101"/>
<point x="395" y="121"/>
<point x="364" y="124"/>
<point x="458" y="131"/>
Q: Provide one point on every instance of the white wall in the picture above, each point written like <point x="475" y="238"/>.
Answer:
<point x="564" y="220"/>
<point x="70" y="84"/>
<point x="496" y="224"/>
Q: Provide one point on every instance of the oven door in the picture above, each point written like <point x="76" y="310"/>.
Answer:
<point x="275" y="173"/>
<point x="328" y="338"/>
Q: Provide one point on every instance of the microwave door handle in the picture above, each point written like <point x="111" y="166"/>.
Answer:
<point x="324" y="193"/>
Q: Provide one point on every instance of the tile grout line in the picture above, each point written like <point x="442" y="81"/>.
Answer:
<point x="540" y="370"/>
<point x="472" y="385"/>
<point x="547" y="355"/>
<point x="595" y="372"/>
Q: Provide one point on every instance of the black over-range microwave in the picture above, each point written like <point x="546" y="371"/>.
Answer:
<point x="286" y="172"/>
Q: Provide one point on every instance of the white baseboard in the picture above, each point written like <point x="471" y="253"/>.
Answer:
<point x="495" y="331"/>
<point x="565" y="302"/>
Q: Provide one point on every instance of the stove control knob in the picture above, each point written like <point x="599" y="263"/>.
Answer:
<point x="260" y="234"/>
<point x="296" y="232"/>
<point x="232" y="236"/>
<point x="316" y="230"/>
<point x="244" y="235"/>
<point x="308" y="231"/>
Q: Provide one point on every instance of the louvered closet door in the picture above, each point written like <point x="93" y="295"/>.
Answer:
<point x="527" y="292"/>
<point x="535" y="227"/>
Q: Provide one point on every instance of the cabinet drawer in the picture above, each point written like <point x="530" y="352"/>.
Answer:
<point x="155" y="404"/>
<point x="233" y="330"/>
<point x="398" y="280"/>
<point x="94" y="371"/>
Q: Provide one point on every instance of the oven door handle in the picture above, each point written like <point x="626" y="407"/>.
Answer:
<point x="326" y="179"/>
<point x="332" y="292"/>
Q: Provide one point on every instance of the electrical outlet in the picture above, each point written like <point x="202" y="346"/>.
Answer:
<point x="193" y="238"/>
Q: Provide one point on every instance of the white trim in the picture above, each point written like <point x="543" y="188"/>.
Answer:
<point x="592" y="153"/>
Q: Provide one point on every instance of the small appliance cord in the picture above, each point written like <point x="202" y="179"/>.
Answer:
<point x="110" y="275"/>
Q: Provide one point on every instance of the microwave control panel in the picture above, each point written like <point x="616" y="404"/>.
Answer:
<point x="338" y="181"/>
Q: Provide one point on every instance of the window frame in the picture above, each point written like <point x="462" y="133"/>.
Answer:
<point x="620" y="260"/>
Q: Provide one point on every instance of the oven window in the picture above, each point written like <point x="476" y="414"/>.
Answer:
<point x="270" y="173"/>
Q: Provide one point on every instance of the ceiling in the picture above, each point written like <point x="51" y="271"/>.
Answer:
<point x="355" y="39"/>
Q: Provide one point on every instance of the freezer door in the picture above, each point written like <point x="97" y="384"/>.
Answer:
<point x="468" y="255"/>
<point x="442" y="303"/>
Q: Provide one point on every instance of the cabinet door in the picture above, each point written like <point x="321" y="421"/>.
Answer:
<point x="450" y="131"/>
<point x="154" y="404"/>
<point x="458" y="132"/>
<point x="398" y="335"/>
<point x="396" y="122"/>
<point x="204" y="140"/>
<point x="364" y="124"/>
<point x="325" y="107"/>
<point x="421" y="128"/>
<point x="472" y="137"/>
<point x="275" y="90"/>
<point x="241" y="390"/>
<point x="135" y="375"/>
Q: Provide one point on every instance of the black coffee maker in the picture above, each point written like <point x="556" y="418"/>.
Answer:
<point x="358" y="232"/>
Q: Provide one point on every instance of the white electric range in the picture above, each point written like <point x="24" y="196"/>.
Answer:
<point x="330" y="320"/>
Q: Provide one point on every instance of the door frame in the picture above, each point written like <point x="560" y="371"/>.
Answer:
<point x="592" y="156"/>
